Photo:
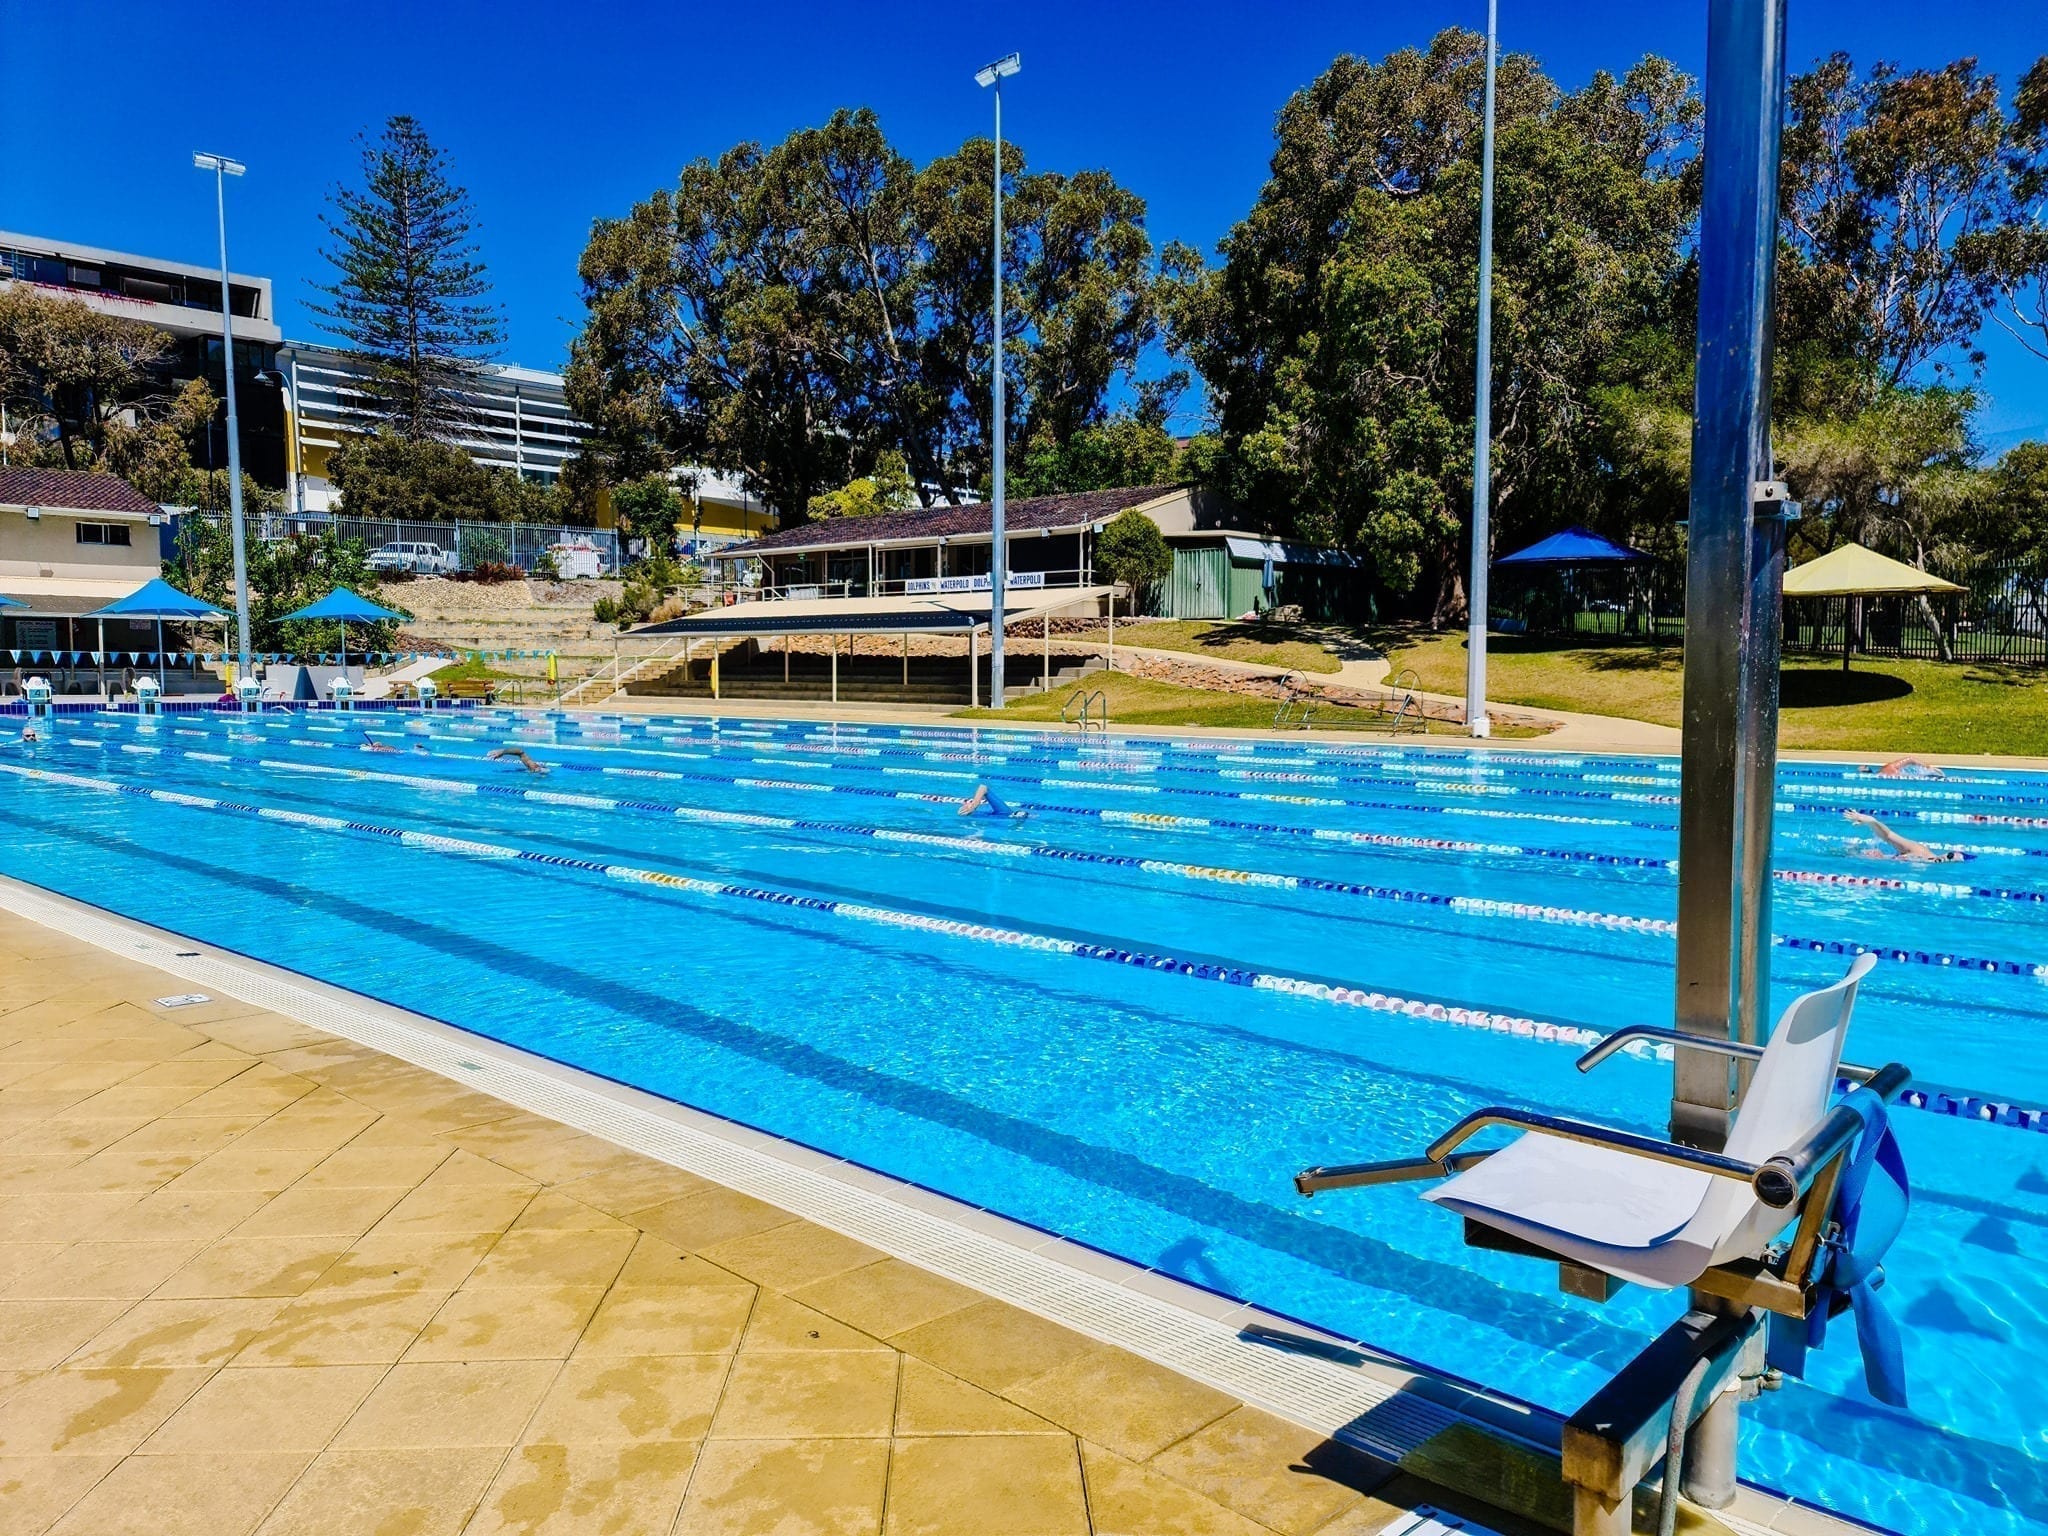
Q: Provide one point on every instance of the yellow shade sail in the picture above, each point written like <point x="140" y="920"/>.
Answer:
<point x="1853" y="571"/>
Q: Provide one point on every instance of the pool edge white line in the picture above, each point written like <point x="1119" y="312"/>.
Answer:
<point x="1151" y="1314"/>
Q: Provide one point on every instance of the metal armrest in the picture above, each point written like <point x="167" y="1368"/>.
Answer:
<point x="1399" y="1170"/>
<point x="1741" y="1050"/>
<point x="1586" y="1131"/>
<point x="1789" y="1174"/>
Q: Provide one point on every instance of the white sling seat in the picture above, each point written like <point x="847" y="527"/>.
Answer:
<point x="1655" y="1223"/>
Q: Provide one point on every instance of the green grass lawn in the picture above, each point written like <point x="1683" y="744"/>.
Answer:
<point x="1880" y="706"/>
<point x="1143" y="701"/>
<point x="1271" y="645"/>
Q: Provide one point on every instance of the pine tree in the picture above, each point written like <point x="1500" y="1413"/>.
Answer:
<point x="412" y="301"/>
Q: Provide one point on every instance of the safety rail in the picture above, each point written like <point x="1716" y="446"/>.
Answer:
<point x="1086" y="710"/>
<point x="616" y="679"/>
<point x="1297" y="709"/>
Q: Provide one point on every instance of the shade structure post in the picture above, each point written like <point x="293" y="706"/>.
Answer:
<point x="160" y="680"/>
<point x="973" y="667"/>
<point x="1735" y="571"/>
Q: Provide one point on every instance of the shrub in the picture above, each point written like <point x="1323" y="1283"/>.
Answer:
<point x="491" y="572"/>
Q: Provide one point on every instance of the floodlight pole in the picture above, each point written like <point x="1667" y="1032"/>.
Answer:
<point x="998" y="559"/>
<point x="1482" y="417"/>
<point x="1734" y="579"/>
<point x="222" y="168"/>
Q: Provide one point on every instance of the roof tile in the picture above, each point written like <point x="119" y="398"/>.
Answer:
<point x="70" y="490"/>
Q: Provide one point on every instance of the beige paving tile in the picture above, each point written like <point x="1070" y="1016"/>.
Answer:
<point x="580" y="1490"/>
<point x="713" y="1215"/>
<point x="213" y="1494"/>
<point x="262" y="1090"/>
<point x="322" y="1123"/>
<point x="596" y="1399"/>
<point x="36" y="1335"/>
<point x="464" y="1167"/>
<point x="1122" y="1402"/>
<point x="449" y="1403"/>
<point x="91" y="1412"/>
<point x="994" y="1485"/>
<point x="59" y="1218"/>
<point x="830" y="1394"/>
<point x="791" y="1255"/>
<point x="993" y="1345"/>
<point x="545" y="1257"/>
<point x="787" y="1488"/>
<point x="669" y="1320"/>
<point x="781" y="1324"/>
<point x="344" y="1328"/>
<point x="887" y="1298"/>
<point x="36" y="1490"/>
<point x="553" y="1212"/>
<point x="275" y="1408"/>
<point x="203" y="1331"/>
<point x="254" y="1266"/>
<point x="654" y="1262"/>
<point x="411" y="1261"/>
<point x="74" y="1137"/>
<point x="388" y="1493"/>
<point x="375" y="1167"/>
<point x="454" y="1208"/>
<point x="536" y="1323"/>
<point x="304" y="1212"/>
<point x="273" y="1169"/>
<point x="18" y="1259"/>
<point x="1125" y="1499"/>
<point x="195" y="1071"/>
<point x="628" y="1184"/>
<point x="931" y="1402"/>
<point x="197" y="1215"/>
<point x="1268" y="1470"/>
<point x="104" y="1271"/>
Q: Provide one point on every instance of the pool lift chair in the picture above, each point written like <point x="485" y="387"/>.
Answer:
<point x="1612" y="1207"/>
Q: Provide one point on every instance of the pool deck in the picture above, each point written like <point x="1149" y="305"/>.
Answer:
<point x="258" y="1278"/>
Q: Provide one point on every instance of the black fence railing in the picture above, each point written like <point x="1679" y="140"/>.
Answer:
<point x="2001" y="616"/>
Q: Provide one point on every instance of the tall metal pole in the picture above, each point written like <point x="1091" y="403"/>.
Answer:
<point x="1734" y="579"/>
<point x="998" y="562"/>
<point x="222" y="168"/>
<point x="998" y="555"/>
<point x="1482" y="417"/>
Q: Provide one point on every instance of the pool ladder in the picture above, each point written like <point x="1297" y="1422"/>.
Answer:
<point x="1086" y="710"/>
<point x="1297" y="712"/>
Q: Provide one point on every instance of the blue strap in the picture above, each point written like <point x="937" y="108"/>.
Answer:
<point x="1870" y="1208"/>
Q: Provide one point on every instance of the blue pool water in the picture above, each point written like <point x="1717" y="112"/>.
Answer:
<point x="788" y="925"/>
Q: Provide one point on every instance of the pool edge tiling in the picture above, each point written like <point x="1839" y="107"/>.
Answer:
<point x="1328" y="1385"/>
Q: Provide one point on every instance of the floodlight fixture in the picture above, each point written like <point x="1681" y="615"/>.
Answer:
<point x="1007" y="65"/>
<point x="220" y="163"/>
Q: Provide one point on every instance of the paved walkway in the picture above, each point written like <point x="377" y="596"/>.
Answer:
<point x="255" y="1278"/>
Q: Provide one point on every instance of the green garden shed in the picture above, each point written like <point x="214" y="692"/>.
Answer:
<point x="1228" y="575"/>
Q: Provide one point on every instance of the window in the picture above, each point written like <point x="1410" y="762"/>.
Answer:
<point x="103" y="533"/>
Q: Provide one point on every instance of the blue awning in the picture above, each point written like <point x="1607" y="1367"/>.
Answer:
<point x="349" y="607"/>
<point x="158" y="599"/>
<point x="1576" y="546"/>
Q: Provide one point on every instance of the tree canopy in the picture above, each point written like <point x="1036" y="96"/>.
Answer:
<point x="410" y="297"/>
<point x="790" y="313"/>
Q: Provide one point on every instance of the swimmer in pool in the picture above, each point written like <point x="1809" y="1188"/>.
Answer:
<point x="367" y="745"/>
<point x="984" y="803"/>
<point x="1909" y="768"/>
<point x="518" y="755"/>
<point x="1895" y="846"/>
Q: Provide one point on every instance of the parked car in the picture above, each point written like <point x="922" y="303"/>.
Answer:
<point x="419" y="559"/>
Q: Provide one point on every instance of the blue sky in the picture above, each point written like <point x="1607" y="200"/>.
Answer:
<point x="558" y="113"/>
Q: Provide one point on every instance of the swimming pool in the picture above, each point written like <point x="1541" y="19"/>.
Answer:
<point x="1197" y="967"/>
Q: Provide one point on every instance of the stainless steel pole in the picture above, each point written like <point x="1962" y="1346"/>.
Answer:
<point x="236" y="528"/>
<point x="1482" y="420"/>
<point x="1734" y="576"/>
<point x="998" y="555"/>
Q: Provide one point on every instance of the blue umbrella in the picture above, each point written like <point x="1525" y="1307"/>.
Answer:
<point x="345" y="607"/>
<point x="11" y="602"/>
<point x="156" y="599"/>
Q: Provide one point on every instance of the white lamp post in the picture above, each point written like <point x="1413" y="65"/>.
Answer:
<point x="1482" y="420"/>
<point x="998" y="560"/>
<point x="222" y="168"/>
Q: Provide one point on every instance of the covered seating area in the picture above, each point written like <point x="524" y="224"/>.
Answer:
<point x="1875" y="602"/>
<point x="1575" y="580"/>
<point x="747" y="648"/>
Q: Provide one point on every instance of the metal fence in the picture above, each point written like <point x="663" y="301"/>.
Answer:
<point x="2001" y="616"/>
<point x="470" y="544"/>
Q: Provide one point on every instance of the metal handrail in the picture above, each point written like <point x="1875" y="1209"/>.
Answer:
<point x="1089" y="701"/>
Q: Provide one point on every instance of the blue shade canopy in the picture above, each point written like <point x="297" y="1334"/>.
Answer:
<point x="347" y="606"/>
<point x="158" y="600"/>
<point x="11" y="602"/>
<point x="1575" y="546"/>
